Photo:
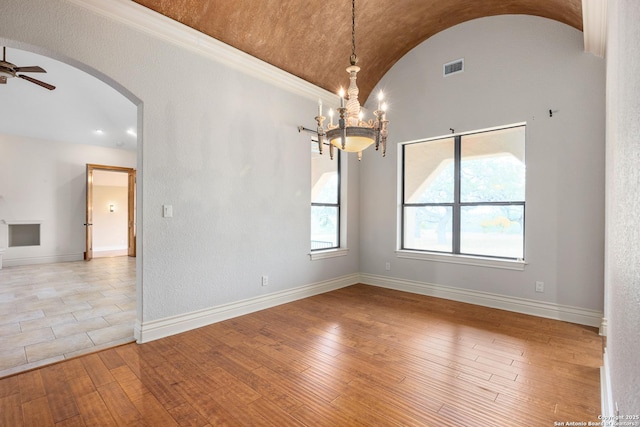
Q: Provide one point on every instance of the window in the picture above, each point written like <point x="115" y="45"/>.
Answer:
<point x="465" y="194"/>
<point x="325" y="200"/>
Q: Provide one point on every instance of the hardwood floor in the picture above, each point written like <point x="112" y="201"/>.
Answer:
<point x="356" y="356"/>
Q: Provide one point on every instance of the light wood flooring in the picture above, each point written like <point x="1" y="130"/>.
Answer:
<point x="49" y="312"/>
<point x="358" y="356"/>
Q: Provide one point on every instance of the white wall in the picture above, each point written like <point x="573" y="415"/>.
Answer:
<point x="517" y="68"/>
<point x="110" y="229"/>
<point x="220" y="146"/>
<point x="46" y="181"/>
<point x="623" y="201"/>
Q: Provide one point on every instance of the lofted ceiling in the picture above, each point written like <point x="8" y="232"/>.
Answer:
<point x="312" y="39"/>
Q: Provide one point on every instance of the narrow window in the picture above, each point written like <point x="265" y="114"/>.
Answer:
<point x="465" y="194"/>
<point x="325" y="200"/>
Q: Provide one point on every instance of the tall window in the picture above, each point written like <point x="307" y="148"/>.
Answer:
<point x="325" y="200"/>
<point x="465" y="194"/>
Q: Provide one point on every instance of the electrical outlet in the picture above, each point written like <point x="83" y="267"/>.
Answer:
<point x="387" y="266"/>
<point x="265" y="280"/>
<point x="539" y="286"/>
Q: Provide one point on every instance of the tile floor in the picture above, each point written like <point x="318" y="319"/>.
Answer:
<point x="50" y="312"/>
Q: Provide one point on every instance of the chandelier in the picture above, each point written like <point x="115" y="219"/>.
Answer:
<point x="353" y="133"/>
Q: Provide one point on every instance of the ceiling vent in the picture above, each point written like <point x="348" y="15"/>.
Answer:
<point x="453" y="67"/>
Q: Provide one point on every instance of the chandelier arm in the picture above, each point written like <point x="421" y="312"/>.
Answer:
<point x="378" y="126"/>
<point x="302" y="128"/>
<point x="320" y="120"/>
<point x="383" y="136"/>
<point x="320" y="139"/>
<point x="342" y="125"/>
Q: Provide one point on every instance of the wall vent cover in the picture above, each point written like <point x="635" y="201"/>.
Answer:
<point x="453" y="67"/>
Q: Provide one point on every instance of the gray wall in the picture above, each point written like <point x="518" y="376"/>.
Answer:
<point x="517" y="68"/>
<point x="623" y="201"/>
<point x="220" y="146"/>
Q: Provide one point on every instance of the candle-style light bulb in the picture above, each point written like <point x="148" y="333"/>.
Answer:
<point x="319" y="107"/>
<point x="380" y="98"/>
<point x="341" y="93"/>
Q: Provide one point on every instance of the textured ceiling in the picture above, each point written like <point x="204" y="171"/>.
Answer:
<point x="312" y="39"/>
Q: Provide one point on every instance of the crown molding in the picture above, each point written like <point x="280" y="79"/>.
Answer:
<point x="594" y="26"/>
<point x="143" y="19"/>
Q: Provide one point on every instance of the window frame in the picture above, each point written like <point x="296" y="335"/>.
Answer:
<point x="455" y="256"/>
<point x="314" y="252"/>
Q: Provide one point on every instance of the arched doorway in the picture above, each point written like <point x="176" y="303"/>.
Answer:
<point x="47" y="137"/>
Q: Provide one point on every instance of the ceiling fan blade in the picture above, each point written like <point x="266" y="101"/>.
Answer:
<point x="31" y="69"/>
<point x="38" y="82"/>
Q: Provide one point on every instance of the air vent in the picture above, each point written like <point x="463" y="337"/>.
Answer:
<point x="453" y="67"/>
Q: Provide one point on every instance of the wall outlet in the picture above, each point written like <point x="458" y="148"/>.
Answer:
<point x="387" y="266"/>
<point x="539" y="286"/>
<point x="265" y="280"/>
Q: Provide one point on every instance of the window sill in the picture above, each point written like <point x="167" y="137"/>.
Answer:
<point x="329" y="253"/>
<point x="505" y="264"/>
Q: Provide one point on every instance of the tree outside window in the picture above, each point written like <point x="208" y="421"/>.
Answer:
<point x="465" y="194"/>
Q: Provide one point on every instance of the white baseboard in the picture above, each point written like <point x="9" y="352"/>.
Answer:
<point x="603" y="327"/>
<point x="519" y="305"/>
<point x="14" y="262"/>
<point x="606" y="395"/>
<point x="156" y="329"/>
<point x="104" y="253"/>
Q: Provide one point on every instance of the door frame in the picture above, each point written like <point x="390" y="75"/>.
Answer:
<point x="131" y="208"/>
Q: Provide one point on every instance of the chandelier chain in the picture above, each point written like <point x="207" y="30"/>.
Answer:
<point x="353" y="29"/>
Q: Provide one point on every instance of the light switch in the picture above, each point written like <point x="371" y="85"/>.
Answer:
<point x="167" y="211"/>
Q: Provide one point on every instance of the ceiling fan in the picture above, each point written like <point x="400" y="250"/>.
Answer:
<point x="8" y="70"/>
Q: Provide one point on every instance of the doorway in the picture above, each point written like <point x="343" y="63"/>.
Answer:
<point x="110" y="211"/>
<point x="93" y="305"/>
